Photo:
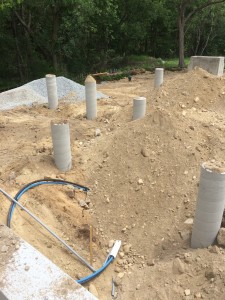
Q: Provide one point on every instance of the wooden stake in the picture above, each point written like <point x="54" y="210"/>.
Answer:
<point x="91" y="250"/>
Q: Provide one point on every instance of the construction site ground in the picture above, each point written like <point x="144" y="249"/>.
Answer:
<point x="143" y="177"/>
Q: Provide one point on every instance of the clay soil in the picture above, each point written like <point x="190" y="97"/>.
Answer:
<point x="143" y="177"/>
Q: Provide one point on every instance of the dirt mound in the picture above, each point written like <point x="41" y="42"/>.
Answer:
<point x="196" y="88"/>
<point x="143" y="176"/>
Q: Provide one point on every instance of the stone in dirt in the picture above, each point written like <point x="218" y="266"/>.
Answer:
<point x="126" y="248"/>
<point x="145" y="152"/>
<point x="221" y="237"/>
<point x="111" y="243"/>
<point x="189" y="221"/>
<point x="120" y="275"/>
<point x="185" y="234"/>
<point x="178" y="266"/>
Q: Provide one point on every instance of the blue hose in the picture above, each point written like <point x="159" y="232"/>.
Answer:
<point x="57" y="181"/>
<point x="97" y="272"/>
<point x="37" y="183"/>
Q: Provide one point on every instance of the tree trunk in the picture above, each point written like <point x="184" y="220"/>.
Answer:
<point x="181" y="24"/>
<point x="19" y="56"/>
<point x="182" y="20"/>
<point x="55" y="25"/>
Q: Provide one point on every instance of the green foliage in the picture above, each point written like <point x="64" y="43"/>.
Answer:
<point x="112" y="77"/>
<point x="143" y="61"/>
<point x="204" y="33"/>
<point x="73" y="37"/>
<point x="170" y="64"/>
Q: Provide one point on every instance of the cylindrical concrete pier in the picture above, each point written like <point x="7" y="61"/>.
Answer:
<point x="210" y="205"/>
<point x="91" y="98"/>
<point x="139" y="107"/>
<point x="61" y="145"/>
<point x="52" y="91"/>
<point x="158" y="80"/>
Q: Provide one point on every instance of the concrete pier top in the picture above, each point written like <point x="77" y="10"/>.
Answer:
<point x="27" y="274"/>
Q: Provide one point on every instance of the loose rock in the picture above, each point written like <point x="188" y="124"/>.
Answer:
<point x="126" y="248"/>
<point x="97" y="132"/>
<point x="221" y="237"/>
<point x="187" y="292"/>
<point x="178" y="266"/>
<point x="111" y="243"/>
<point x="145" y="152"/>
<point x="189" y="221"/>
<point x="120" y="275"/>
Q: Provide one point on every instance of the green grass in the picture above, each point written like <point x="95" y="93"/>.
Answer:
<point x="145" y="62"/>
<point x="112" y="77"/>
<point x="150" y="63"/>
<point x="173" y="62"/>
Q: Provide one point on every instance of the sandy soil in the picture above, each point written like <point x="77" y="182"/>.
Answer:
<point x="143" y="177"/>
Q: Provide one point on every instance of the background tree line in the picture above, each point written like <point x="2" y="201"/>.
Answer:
<point x="71" y="37"/>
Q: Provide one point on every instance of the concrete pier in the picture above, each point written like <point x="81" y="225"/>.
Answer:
<point x="158" y="79"/>
<point x="139" y="108"/>
<point x="51" y="85"/>
<point x="209" y="206"/>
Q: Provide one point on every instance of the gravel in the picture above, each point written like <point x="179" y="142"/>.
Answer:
<point x="36" y="92"/>
<point x="19" y="96"/>
<point x="64" y="87"/>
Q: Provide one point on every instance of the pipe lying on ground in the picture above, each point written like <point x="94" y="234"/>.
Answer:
<point x="158" y="79"/>
<point x="112" y="255"/>
<point x="139" y="107"/>
<point x="33" y="184"/>
<point x="61" y="145"/>
<point x="52" y="91"/>
<point x="210" y="205"/>
<point x="114" y="251"/>
<point x="91" y="98"/>
<point x="49" y="230"/>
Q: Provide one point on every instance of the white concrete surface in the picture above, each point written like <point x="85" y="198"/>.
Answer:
<point x="139" y="108"/>
<point x="60" y="132"/>
<point x="212" y="64"/>
<point x="26" y="274"/>
<point x="209" y="207"/>
<point x="158" y="79"/>
<point x="52" y="91"/>
<point x="91" y="98"/>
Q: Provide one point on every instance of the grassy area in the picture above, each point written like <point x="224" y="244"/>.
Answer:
<point x="145" y="62"/>
<point x="149" y="63"/>
<point x="173" y="63"/>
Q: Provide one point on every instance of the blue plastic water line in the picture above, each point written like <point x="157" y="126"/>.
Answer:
<point x="37" y="183"/>
<point x="54" y="181"/>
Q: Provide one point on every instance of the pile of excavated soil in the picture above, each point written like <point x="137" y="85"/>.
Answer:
<point x="143" y="177"/>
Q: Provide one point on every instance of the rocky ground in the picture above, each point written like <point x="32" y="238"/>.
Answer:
<point x="143" y="176"/>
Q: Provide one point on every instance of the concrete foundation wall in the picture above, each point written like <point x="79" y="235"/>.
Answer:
<point x="26" y="274"/>
<point x="212" y="64"/>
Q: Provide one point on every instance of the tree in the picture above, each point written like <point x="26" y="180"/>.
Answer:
<point x="186" y="10"/>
